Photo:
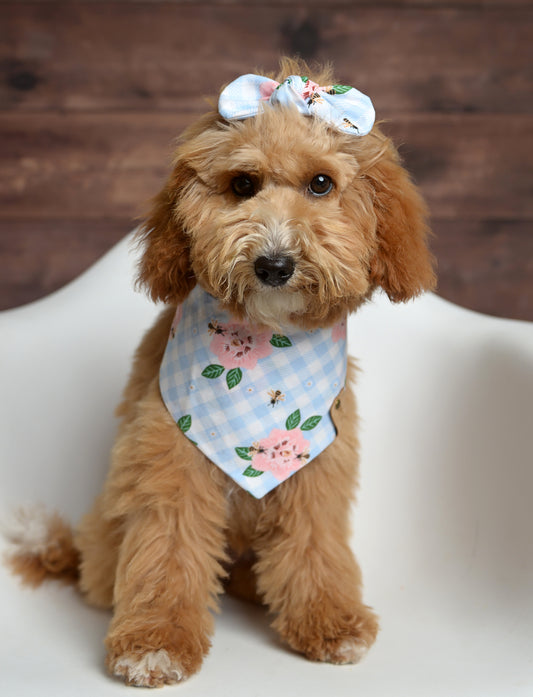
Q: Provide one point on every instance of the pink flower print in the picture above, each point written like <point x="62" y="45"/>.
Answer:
<point x="281" y="453"/>
<point x="309" y="89"/>
<point x="339" y="331"/>
<point x="266" y="89"/>
<point x="239" y="347"/>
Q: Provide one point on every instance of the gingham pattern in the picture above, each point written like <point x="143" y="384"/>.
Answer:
<point x="310" y="374"/>
<point x="351" y="112"/>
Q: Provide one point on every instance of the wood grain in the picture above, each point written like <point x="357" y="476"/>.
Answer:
<point x="486" y="265"/>
<point x="332" y="4"/>
<point x="140" y="56"/>
<point x="109" y="165"/>
<point x="40" y="256"/>
<point x="93" y="93"/>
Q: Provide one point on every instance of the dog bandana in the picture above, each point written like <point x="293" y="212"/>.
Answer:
<point x="255" y="402"/>
<point x="343" y="107"/>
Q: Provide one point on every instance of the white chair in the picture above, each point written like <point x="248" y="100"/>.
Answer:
<point x="443" y="528"/>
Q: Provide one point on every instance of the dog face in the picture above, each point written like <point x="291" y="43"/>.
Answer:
<point x="286" y="220"/>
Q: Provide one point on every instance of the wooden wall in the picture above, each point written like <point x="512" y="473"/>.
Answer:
<point x="92" y="94"/>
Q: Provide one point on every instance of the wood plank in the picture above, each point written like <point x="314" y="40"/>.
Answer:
<point x="479" y="4"/>
<point x="83" y="166"/>
<point x="108" y="165"/>
<point x="38" y="257"/>
<point x="470" y="166"/>
<point x="486" y="265"/>
<point x="483" y="265"/>
<point x="80" y="56"/>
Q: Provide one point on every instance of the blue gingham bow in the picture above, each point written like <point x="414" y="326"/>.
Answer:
<point x="343" y="107"/>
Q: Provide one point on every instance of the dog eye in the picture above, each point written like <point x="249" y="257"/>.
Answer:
<point x="320" y="185"/>
<point x="243" y="185"/>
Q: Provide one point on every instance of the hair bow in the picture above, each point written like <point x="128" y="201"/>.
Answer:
<point x="343" y="107"/>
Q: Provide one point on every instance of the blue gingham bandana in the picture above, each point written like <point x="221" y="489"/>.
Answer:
<point x="256" y="403"/>
<point x="342" y="106"/>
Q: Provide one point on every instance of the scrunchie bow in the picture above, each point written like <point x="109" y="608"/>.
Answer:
<point x="343" y="107"/>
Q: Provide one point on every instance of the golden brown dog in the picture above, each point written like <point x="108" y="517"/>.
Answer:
<point x="170" y="527"/>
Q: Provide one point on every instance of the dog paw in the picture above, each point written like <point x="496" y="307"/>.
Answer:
<point x="150" y="669"/>
<point x="155" y="657"/>
<point x="345" y="651"/>
<point x="153" y="653"/>
<point x="325" y="637"/>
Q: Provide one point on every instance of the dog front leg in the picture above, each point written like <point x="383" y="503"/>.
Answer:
<point x="306" y="571"/>
<point x="166" y="582"/>
<point x="173" y="512"/>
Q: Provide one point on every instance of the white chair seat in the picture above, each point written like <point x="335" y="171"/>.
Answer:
<point x="443" y="527"/>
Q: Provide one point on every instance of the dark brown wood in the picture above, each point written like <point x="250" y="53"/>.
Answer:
<point x="470" y="166"/>
<point x="83" y="165"/>
<point x="331" y="4"/>
<point x="486" y="265"/>
<point x="40" y="256"/>
<point x="86" y="56"/>
<point x="109" y="165"/>
<point x="92" y="94"/>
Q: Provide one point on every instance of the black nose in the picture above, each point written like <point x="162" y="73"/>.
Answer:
<point x="274" y="271"/>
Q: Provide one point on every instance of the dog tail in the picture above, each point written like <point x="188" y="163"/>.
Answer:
<point x="41" y="546"/>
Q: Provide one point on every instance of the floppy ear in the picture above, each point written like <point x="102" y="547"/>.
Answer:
<point x="165" y="268"/>
<point x="402" y="265"/>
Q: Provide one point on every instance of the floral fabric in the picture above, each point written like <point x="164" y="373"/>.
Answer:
<point x="342" y="106"/>
<point x="255" y="402"/>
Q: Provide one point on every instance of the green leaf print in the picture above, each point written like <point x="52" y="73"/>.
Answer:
<point x="341" y="89"/>
<point x="233" y="377"/>
<point x="293" y="420"/>
<point x="184" y="423"/>
<point x="250" y="472"/>
<point x="280" y="341"/>
<point x="213" y="371"/>
<point x="311" y="422"/>
<point x="243" y="453"/>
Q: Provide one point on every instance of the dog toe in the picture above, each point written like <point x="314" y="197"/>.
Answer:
<point x="348" y="651"/>
<point x="332" y="638"/>
<point x="151" y="669"/>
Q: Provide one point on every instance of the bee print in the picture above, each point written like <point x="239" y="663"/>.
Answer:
<point x="315" y="98"/>
<point x="255" y="448"/>
<point x="303" y="456"/>
<point x="275" y="397"/>
<point x="214" y="328"/>
<point x="348" y="124"/>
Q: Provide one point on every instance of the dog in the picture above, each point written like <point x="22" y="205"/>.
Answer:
<point x="286" y="208"/>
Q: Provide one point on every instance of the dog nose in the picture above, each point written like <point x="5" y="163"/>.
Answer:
<point x="274" y="271"/>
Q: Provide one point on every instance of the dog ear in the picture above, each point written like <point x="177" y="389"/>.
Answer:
<point x="165" y="267"/>
<point x="402" y="265"/>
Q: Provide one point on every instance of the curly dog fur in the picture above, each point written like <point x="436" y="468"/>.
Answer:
<point x="170" y="529"/>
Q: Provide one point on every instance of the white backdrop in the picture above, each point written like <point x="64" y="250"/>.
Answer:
<point x="443" y="528"/>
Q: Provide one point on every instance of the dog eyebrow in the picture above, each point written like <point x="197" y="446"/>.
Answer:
<point x="248" y="159"/>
